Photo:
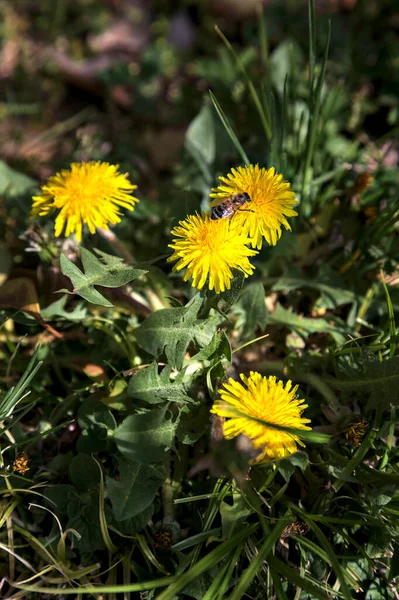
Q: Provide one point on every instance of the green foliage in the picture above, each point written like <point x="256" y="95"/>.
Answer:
<point x="13" y="183"/>
<point x="110" y="272"/>
<point x="116" y="477"/>
<point x="145" y="437"/>
<point x="170" y="330"/>
<point x="154" y="388"/>
<point x="135" y="490"/>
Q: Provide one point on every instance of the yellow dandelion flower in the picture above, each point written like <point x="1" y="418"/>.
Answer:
<point x="271" y="202"/>
<point x="209" y="250"/>
<point x="87" y="193"/>
<point x="262" y="399"/>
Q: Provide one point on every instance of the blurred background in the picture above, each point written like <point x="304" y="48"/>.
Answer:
<point x="122" y="80"/>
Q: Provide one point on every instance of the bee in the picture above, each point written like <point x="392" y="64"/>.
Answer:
<point x="230" y="205"/>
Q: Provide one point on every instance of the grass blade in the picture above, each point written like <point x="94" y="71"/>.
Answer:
<point x="255" y="97"/>
<point x="229" y="129"/>
<point x="251" y="572"/>
<point x="391" y="318"/>
<point x="312" y="43"/>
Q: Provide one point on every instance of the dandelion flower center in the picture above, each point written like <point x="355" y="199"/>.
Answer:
<point x="209" y="250"/>
<point x="265" y="399"/>
<point x="88" y="193"/>
<point x="272" y="201"/>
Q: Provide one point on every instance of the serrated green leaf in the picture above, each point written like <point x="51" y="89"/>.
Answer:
<point x="111" y="273"/>
<point x="57" y="310"/>
<point x="136" y="488"/>
<point x="218" y="348"/>
<point x="170" y="330"/>
<point x="332" y="294"/>
<point x="233" y="514"/>
<point x="379" y="379"/>
<point x="253" y="309"/>
<point x="305" y="326"/>
<point x="153" y="387"/>
<point x="13" y="183"/>
<point x="145" y="437"/>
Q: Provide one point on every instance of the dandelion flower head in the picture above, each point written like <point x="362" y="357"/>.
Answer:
<point x="209" y="250"/>
<point x="272" y="201"/>
<point x="86" y="194"/>
<point x="260" y="398"/>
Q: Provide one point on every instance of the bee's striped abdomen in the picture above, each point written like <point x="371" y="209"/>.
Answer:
<point x="222" y="211"/>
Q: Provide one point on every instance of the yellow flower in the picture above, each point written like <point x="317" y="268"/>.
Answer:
<point x="210" y="250"/>
<point x="271" y="202"/>
<point x="88" y="193"/>
<point x="262" y="399"/>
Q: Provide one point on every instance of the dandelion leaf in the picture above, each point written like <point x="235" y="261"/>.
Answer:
<point x="136" y="488"/>
<point x="379" y="381"/>
<point x="110" y="272"/>
<point x="56" y="310"/>
<point x="304" y="326"/>
<point x="153" y="387"/>
<point x="145" y="437"/>
<point x="217" y="349"/>
<point x="169" y="331"/>
<point x="13" y="183"/>
<point x="329" y="284"/>
<point x="200" y="140"/>
<point x="252" y="309"/>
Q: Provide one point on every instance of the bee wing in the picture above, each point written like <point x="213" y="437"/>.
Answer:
<point x="217" y="201"/>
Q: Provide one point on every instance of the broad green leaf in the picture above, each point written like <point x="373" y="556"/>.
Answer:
<point x="93" y="412"/>
<point x="83" y="513"/>
<point x="84" y="473"/>
<point x="226" y="299"/>
<point x="193" y="423"/>
<point x="332" y="294"/>
<point x="137" y="523"/>
<point x="145" y="437"/>
<point x="304" y="326"/>
<point x="200" y="140"/>
<point x="59" y="497"/>
<point x="111" y="272"/>
<point x="378" y="379"/>
<point x="252" y="309"/>
<point x="136" y="488"/>
<point x="170" y="330"/>
<point x="13" y="183"/>
<point x="218" y="348"/>
<point x="233" y="514"/>
<point x="153" y="387"/>
<point x="56" y="310"/>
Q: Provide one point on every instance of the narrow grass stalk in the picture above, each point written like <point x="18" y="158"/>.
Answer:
<point x="206" y="563"/>
<point x="255" y="97"/>
<point x="251" y="572"/>
<point x="312" y="42"/>
<point x="229" y="129"/>
<point x="314" y="110"/>
<point x="391" y="318"/>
